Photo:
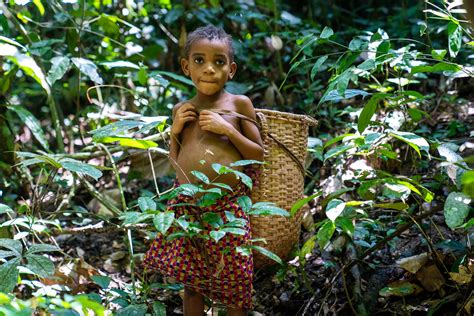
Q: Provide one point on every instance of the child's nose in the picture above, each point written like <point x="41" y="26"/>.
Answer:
<point x="209" y="69"/>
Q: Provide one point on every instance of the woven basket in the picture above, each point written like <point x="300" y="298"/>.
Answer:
<point x="281" y="181"/>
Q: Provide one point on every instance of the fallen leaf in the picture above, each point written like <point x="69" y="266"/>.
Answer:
<point x="462" y="277"/>
<point x="414" y="263"/>
<point x="400" y="289"/>
<point x="430" y="278"/>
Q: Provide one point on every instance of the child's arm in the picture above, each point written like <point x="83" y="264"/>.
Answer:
<point x="248" y="142"/>
<point x="182" y="113"/>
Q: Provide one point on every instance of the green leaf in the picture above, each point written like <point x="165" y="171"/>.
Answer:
<point x="336" y="139"/>
<point x="454" y="38"/>
<point x="325" y="233"/>
<point x="467" y="182"/>
<point x="159" y="309"/>
<point x="115" y="129"/>
<point x="308" y="247"/>
<point x="456" y="209"/>
<point x="416" y="114"/>
<point x="343" y="81"/>
<point x="247" y="162"/>
<point x="438" y="54"/>
<point x="101" y="280"/>
<point x="217" y="235"/>
<point x="367" y="113"/>
<point x="36" y="248"/>
<point x="13" y="245"/>
<point x="346" y="225"/>
<point x="40" y="265"/>
<point x="201" y="176"/>
<point x="439" y="67"/>
<point x="60" y="65"/>
<point x="213" y="219"/>
<point x="267" y="253"/>
<point x="326" y="33"/>
<point x="336" y="151"/>
<point x="9" y="275"/>
<point x="163" y="221"/>
<point x="334" y="209"/>
<point x="243" y="250"/>
<point x="88" y="68"/>
<point x="298" y="204"/>
<point x="132" y="310"/>
<point x="400" y="206"/>
<point x="81" y="168"/>
<point x="334" y="96"/>
<point x="415" y="141"/>
<point x="245" y="203"/>
<point x="234" y="230"/>
<point x="128" y="142"/>
<point x="109" y="24"/>
<point x="319" y="62"/>
<point x="266" y="208"/>
<point x="146" y="203"/>
<point x="130" y="218"/>
<point x="367" y="65"/>
<point x="119" y="64"/>
<point x="32" y="123"/>
<point x="5" y="209"/>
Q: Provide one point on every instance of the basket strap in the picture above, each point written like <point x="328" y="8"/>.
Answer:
<point x="282" y="146"/>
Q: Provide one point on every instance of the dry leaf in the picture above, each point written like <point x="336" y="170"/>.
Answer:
<point x="462" y="277"/>
<point x="430" y="278"/>
<point x="414" y="263"/>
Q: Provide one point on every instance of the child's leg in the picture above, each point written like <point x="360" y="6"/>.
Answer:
<point x="193" y="303"/>
<point x="236" y="311"/>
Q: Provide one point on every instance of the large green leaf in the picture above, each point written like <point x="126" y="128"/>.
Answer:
<point x="37" y="248"/>
<point x="213" y="219"/>
<point x="334" y="96"/>
<point x="367" y="113"/>
<point x="32" y="123"/>
<point x="325" y="233"/>
<point x="416" y="142"/>
<point x="128" y="142"/>
<point x="163" y="221"/>
<point x="101" y="280"/>
<point x="319" y="62"/>
<point x="217" y="235"/>
<point x="13" y="245"/>
<point x="454" y="38"/>
<point x="298" y="204"/>
<point x="115" y="129"/>
<point x="132" y="310"/>
<point x="334" y="209"/>
<point x="120" y="64"/>
<point x="265" y="209"/>
<point x="40" y="265"/>
<point x="59" y="66"/>
<point x="5" y="209"/>
<point x="159" y="309"/>
<point x="88" y="68"/>
<point x="326" y="33"/>
<point x="438" y="67"/>
<point x="9" y="275"/>
<point x="81" y="168"/>
<point x="336" y="151"/>
<point x="267" y="253"/>
<point x="146" y="203"/>
<point x="201" y="176"/>
<point x="456" y="209"/>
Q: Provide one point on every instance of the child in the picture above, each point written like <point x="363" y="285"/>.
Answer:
<point x="200" y="137"/>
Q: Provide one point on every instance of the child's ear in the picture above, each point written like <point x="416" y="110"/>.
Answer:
<point x="185" y="66"/>
<point x="233" y="70"/>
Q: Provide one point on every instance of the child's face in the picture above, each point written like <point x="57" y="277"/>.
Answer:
<point x="209" y="65"/>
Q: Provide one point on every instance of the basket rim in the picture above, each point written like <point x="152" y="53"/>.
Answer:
<point x="289" y="116"/>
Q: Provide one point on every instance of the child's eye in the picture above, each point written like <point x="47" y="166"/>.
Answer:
<point x="220" y="62"/>
<point x="198" y="60"/>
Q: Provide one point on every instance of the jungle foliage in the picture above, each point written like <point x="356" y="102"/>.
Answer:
<point x="86" y="91"/>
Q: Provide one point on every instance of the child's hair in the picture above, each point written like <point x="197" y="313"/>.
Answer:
<point x="209" y="32"/>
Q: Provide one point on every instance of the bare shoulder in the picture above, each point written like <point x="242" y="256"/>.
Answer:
<point x="244" y="105"/>
<point x="178" y="105"/>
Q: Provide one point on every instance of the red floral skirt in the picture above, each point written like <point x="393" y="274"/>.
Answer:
<point x="214" y="269"/>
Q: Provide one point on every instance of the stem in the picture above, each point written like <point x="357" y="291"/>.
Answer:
<point x="117" y="176"/>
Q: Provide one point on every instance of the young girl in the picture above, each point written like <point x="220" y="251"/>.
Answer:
<point x="200" y="137"/>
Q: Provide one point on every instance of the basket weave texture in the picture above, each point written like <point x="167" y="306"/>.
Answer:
<point x="281" y="181"/>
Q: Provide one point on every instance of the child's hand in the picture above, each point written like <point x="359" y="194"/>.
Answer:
<point x="213" y="122"/>
<point x="185" y="113"/>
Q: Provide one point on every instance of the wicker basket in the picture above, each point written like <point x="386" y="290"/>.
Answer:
<point x="281" y="181"/>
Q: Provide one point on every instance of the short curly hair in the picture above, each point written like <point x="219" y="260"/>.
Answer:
<point x="211" y="33"/>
